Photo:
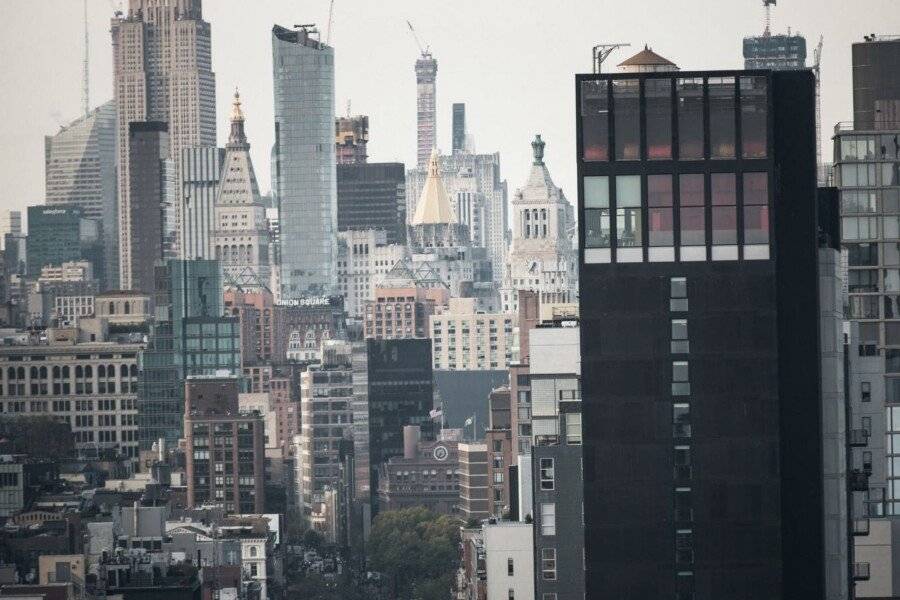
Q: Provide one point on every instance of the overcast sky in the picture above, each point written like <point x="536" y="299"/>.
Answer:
<point x="511" y="61"/>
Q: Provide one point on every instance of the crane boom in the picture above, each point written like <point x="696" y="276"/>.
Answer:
<point x="330" y="21"/>
<point x="423" y="50"/>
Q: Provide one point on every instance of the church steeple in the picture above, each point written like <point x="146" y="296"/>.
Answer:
<point x="237" y="136"/>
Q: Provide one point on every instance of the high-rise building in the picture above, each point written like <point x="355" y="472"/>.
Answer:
<point x="151" y="200"/>
<point x="225" y="452"/>
<point x="426" y="109"/>
<point x="326" y="396"/>
<point x="80" y="171"/>
<point x="190" y="337"/>
<point x="364" y="259"/>
<point x="201" y="172"/>
<point x="459" y="126"/>
<point x="305" y="162"/>
<point x="10" y="223"/>
<point x="240" y="234"/>
<point x="541" y="257"/>
<point x="778" y="52"/>
<point x="700" y="327"/>
<point x="402" y="312"/>
<point x="162" y="70"/>
<point x="372" y="196"/>
<point x="351" y="134"/>
<point x="474" y="488"/>
<point x="467" y="339"/>
<point x="61" y="234"/>
<point x="876" y="83"/>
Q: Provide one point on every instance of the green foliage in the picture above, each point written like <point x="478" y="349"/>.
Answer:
<point x="312" y="539"/>
<point x="417" y="550"/>
<point x="38" y="437"/>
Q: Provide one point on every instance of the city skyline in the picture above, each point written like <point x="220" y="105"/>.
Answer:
<point x="387" y="94"/>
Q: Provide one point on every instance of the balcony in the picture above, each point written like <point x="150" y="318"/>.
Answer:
<point x="860" y="527"/>
<point x="858" y="438"/>
<point x="859" y="480"/>
<point x="861" y="571"/>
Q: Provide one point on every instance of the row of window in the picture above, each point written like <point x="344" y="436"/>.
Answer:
<point x="687" y="210"/>
<point x="649" y="114"/>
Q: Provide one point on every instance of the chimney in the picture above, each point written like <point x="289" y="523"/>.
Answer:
<point x="411" y="435"/>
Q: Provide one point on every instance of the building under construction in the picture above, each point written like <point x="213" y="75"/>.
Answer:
<point x="780" y="52"/>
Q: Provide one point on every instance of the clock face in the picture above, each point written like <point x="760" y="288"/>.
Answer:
<point x="440" y="453"/>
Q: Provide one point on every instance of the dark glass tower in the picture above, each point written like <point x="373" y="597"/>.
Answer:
<point x="700" y="335"/>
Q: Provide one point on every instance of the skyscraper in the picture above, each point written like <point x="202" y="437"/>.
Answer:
<point x="372" y="196"/>
<point x="151" y="198"/>
<point x="162" y="71"/>
<point x="80" y="171"/>
<point x="701" y="356"/>
<point x="240" y="234"/>
<point x="426" y="115"/>
<point x="351" y="135"/>
<point x="61" y="234"/>
<point x="876" y="83"/>
<point x="459" y="126"/>
<point x="201" y="172"/>
<point x="305" y="162"/>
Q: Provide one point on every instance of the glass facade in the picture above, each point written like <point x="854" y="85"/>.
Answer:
<point x="305" y="162"/>
<point x="688" y="206"/>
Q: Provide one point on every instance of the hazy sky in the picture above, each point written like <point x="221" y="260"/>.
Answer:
<point x="511" y="61"/>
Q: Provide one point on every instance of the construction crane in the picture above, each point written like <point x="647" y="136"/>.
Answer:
<point x="86" y="75"/>
<point x="816" y="69"/>
<point x="601" y="52"/>
<point x="426" y="51"/>
<point x="768" y="4"/>
<point x="330" y="21"/>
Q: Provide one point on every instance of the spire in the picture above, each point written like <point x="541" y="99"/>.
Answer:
<point x="537" y="146"/>
<point x="237" y="136"/>
<point x="434" y="203"/>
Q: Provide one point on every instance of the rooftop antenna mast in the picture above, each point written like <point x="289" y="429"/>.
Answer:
<point x="86" y="83"/>
<point x="601" y="52"/>
<point x="816" y="69"/>
<point x="330" y="21"/>
<point x="768" y="4"/>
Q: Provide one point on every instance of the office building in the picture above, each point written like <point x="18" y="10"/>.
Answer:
<point x="459" y="127"/>
<point x="201" y="172"/>
<point x="364" y="259"/>
<point x="477" y="195"/>
<point x="474" y="488"/>
<point x="89" y="384"/>
<point x="392" y="388"/>
<point x="61" y="234"/>
<point x="426" y="475"/>
<point x="190" y="337"/>
<point x="372" y="196"/>
<point x="699" y="274"/>
<point x="10" y="223"/>
<point x="426" y="109"/>
<point x="311" y="320"/>
<point x="80" y="171"/>
<point x="351" y="134"/>
<point x="162" y="71"/>
<point x="240" y="236"/>
<point x="876" y="83"/>
<point x="402" y="312"/>
<point x="152" y="231"/>
<point x="541" y="256"/>
<point x="508" y="560"/>
<point x="305" y="162"/>
<point x="224" y="457"/>
<point x="466" y="339"/>
<point x="326" y="396"/>
<point x="779" y="52"/>
<point x="501" y="451"/>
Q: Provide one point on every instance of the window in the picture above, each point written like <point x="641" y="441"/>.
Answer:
<point x="510" y="568"/>
<point x="865" y="391"/>
<point x="658" y="100"/>
<point x="595" y="120"/>
<point x="547" y="474"/>
<point x="684" y="511"/>
<point x="857" y="175"/>
<point x="724" y="209"/>
<point x="690" y="118"/>
<point x="721" y="117"/>
<point x="628" y="211"/>
<point x="678" y="287"/>
<point x="548" y="565"/>
<point x="680" y="384"/>
<point x="680" y="344"/>
<point x="858" y="201"/>
<point x="754" y="113"/>
<point x="596" y="204"/>
<point x="627" y="117"/>
<point x="659" y="200"/>
<point x="548" y="518"/>
<point x="866" y="255"/>
<point x="684" y="547"/>
<point x="693" y="217"/>
<point x="511" y="595"/>
<point x="681" y="420"/>
<point x="756" y="208"/>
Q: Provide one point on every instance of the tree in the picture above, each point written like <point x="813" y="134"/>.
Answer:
<point x="417" y="550"/>
<point x="312" y="539"/>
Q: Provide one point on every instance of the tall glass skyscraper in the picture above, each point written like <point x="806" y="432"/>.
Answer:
<point x="303" y="73"/>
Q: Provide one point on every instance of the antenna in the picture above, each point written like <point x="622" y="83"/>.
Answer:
<point x="601" y="52"/>
<point x="330" y="20"/>
<point x="86" y="80"/>
<point x="817" y="64"/>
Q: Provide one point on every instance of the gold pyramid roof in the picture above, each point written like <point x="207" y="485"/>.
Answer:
<point x="434" y="204"/>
